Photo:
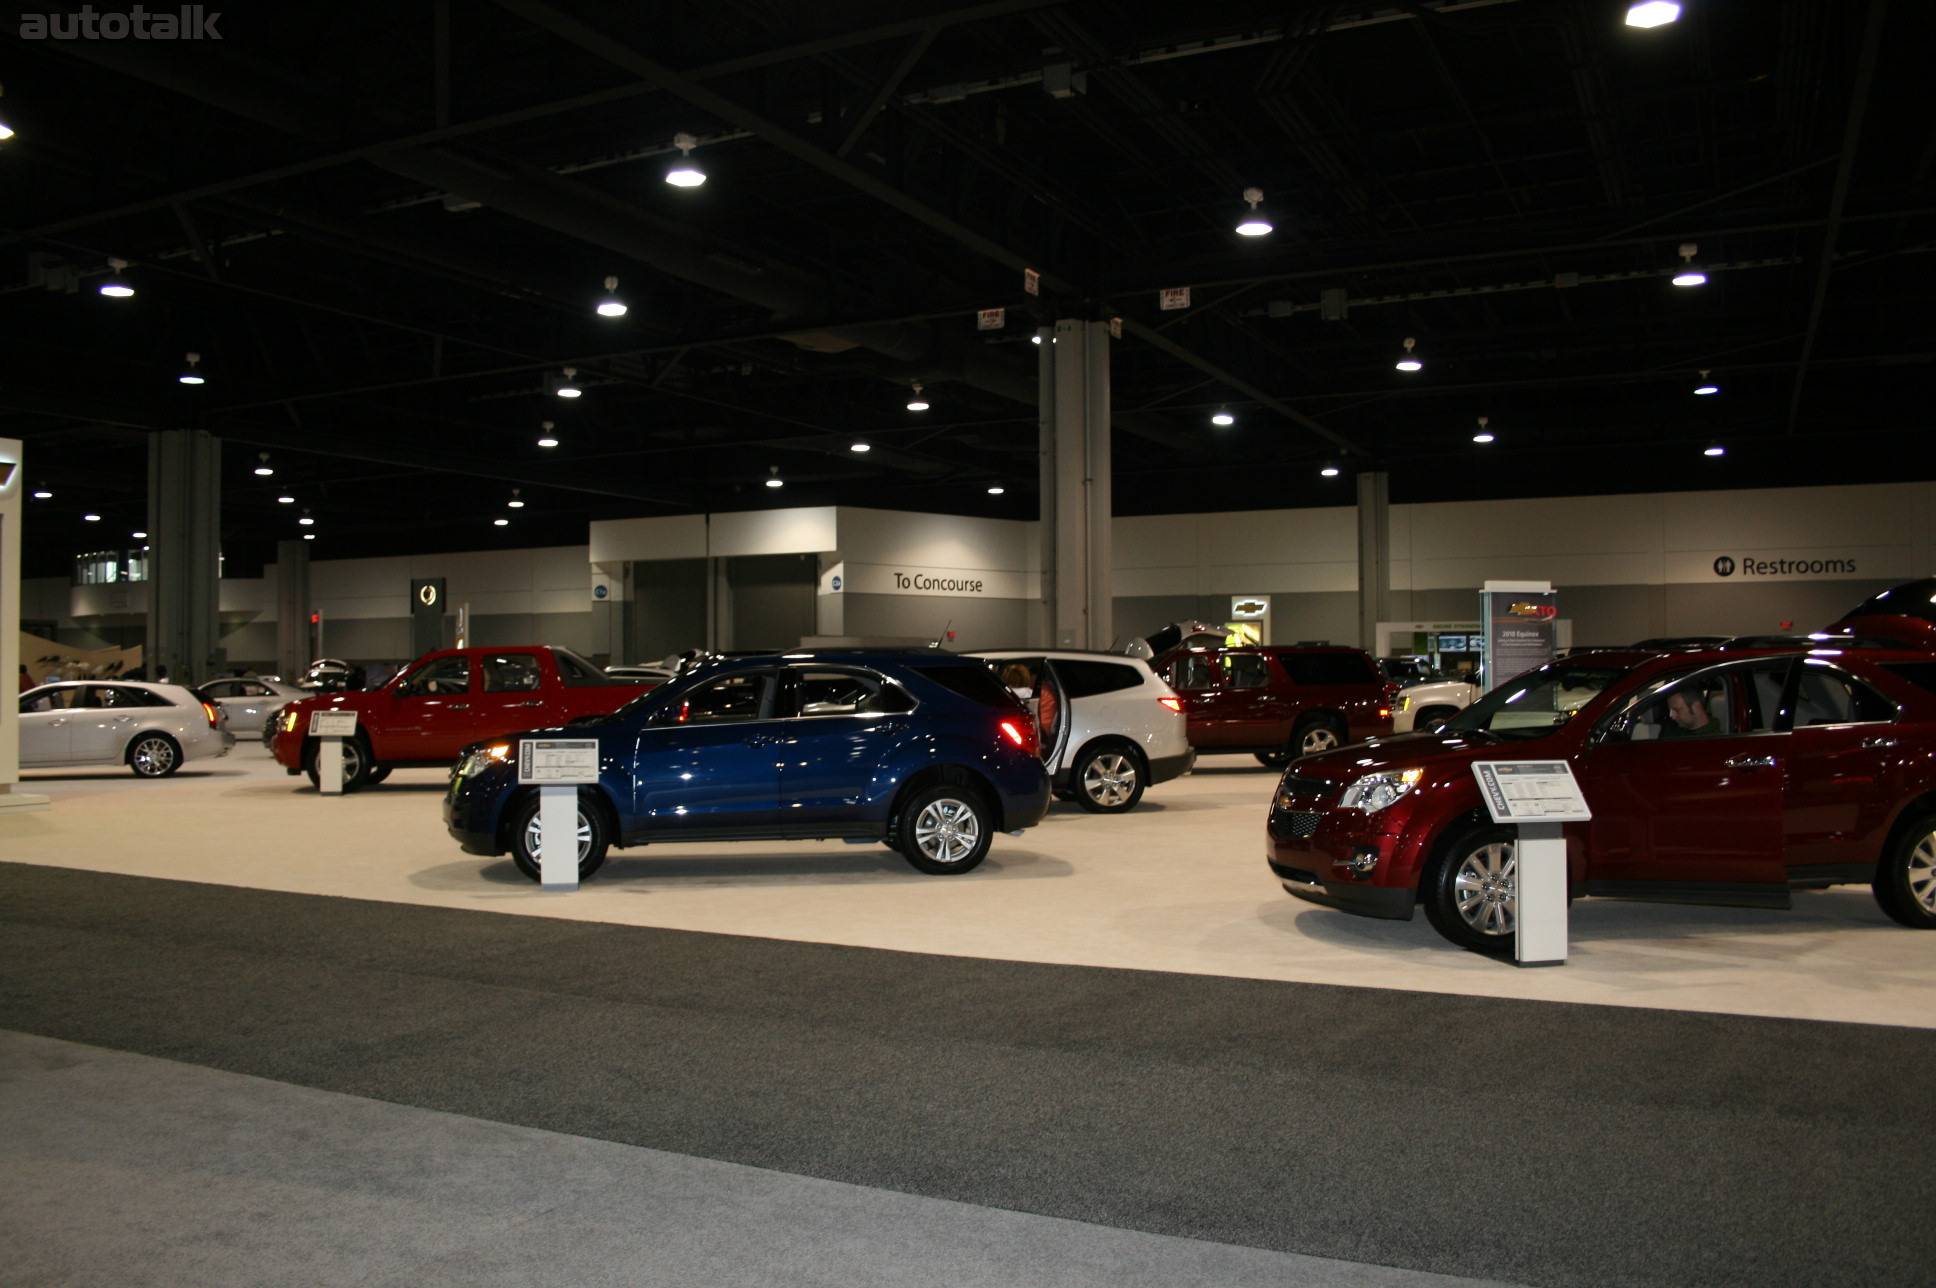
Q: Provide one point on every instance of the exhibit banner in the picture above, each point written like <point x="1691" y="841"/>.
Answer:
<point x="1519" y="622"/>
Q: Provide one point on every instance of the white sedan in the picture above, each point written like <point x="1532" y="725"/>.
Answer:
<point x="151" y="728"/>
<point x="250" y="700"/>
<point x="1421" y="706"/>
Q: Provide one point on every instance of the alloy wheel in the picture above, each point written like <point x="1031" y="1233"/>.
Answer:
<point x="1485" y="886"/>
<point x="947" y="830"/>
<point x="1109" y="779"/>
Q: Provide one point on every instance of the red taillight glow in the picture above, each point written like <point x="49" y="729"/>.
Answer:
<point x="1174" y="704"/>
<point x="1384" y="713"/>
<point x="214" y="716"/>
<point x="1022" y="734"/>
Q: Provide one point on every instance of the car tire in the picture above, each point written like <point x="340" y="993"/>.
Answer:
<point x="1309" y="736"/>
<point x="1108" y="779"/>
<point x="1468" y="889"/>
<point x="527" y="837"/>
<point x="944" y="830"/>
<point x="153" y="755"/>
<point x="356" y="765"/>
<point x="1431" y="716"/>
<point x="377" y="774"/>
<point x="1905" y="880"/>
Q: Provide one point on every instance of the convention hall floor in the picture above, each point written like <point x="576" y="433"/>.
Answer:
<point x="228" y="1064"/>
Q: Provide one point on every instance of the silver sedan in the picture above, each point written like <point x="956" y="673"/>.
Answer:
<point x="153" y="729"/>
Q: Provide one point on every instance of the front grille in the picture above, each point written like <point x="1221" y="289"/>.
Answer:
<point x="1294" y="823"/>
<point x="1295" y="785"/>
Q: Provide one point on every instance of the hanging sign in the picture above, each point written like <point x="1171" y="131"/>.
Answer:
<point x="1031" y="281"/>
<point x="991" y="319"/>
<point x="1175" y="297"/>
<point x="1115" y="328"/>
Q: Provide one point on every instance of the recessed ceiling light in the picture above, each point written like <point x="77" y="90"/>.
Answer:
<point x="1223" y="418"/>
<point x="500" y="523"/>
<point x="285" y="500"/>
<point x="139" y="536"/>
<point x="91" y="518"/>
<point x="1652" y="13"/>
<point x="996" y="489"/>
<point x="861" y="445"/>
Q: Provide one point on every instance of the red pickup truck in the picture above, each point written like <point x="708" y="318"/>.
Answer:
<point x="447" y="700"/>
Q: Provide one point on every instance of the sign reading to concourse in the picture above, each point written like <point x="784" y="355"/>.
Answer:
<point x="912" y="579"/>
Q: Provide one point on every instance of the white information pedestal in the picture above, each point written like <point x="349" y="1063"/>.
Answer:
<point x="1535" y="796"/>
<point x="329" y="728"/>
<point x="558" y="766"/>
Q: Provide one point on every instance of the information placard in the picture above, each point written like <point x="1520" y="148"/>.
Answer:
<point x="1531" y="791"/>
<point x="332" y="724"/>
<point x="558" y="760"/>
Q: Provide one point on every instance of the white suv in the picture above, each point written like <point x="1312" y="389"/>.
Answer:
<point x="1110" y="726"/>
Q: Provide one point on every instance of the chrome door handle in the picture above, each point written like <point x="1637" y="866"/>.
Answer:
<point x="528" y="704"/>
<point x="459" y="706"/>
<point x="1750" y="762"/>
<point x="1870" y="744"/>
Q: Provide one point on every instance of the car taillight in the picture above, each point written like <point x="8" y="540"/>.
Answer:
<point x="214" y="716"/>
<point x="1174" y="704"/>
<point x="1384" y="713"/>
<point x="1022" y="734"/>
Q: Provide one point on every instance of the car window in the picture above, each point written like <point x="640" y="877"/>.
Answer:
<point x="222" y="689"/>
<point x="1828" y="695"/>
<point x="1330" y="668"/>
<point x="845" y="693"/>
<point x="510" y="672"/>
<point x="1246" y="670"/>
<point x="575" y="671"/>
<point x="104" y="696"/>
<point x="976" y="683"/>
<point x="51" y="700"/>
<point x="250" y="689"/>
<point x="739" y="696"/>
<point x="446" y="675"/>
<point x="1084" y="678"/>
<point x="1536" y="703"/>
<point x="1193" y="672"/>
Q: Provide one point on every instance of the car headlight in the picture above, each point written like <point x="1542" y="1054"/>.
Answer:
<point x="1403" y="704"/>
<point x="482" y="758"/>
<point x="1374" y="792"/>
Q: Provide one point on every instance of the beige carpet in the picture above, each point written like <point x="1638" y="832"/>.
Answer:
<point x="1177" y="885"/>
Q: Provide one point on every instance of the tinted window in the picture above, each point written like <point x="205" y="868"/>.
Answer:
<point x="1247" y="671"/>
<point x="1082" y="679"/>
<point x="1329" y="668"/>
<point x="51" y="700"/>
<point x="576" y="671"/>
<point x="1828" y="695"/>
<point x="511" y="673"/>
<point x="976" y="683"/>
<point x="740" y="696"/>
<point x="1536" y="702"/>
<point x="845" y="693"/>
<point x="1194" y="672"/>
<point x="109" y="697"/>
<point x="446" y="675"/>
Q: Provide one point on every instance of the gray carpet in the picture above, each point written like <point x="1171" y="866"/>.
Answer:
<point x="1533" y="1142"/>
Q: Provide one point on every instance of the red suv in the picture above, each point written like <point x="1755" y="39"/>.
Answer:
<point x="1278" y="702"/>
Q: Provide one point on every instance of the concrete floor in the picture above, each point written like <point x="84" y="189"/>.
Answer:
<point x="1179" y="884"/>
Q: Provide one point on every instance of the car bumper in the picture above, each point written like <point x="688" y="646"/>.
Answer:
<point x="1384" y="902"/>
<point x="1164" y="768"/>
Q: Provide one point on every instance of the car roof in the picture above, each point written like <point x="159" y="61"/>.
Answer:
<point x="1095" y="654"/>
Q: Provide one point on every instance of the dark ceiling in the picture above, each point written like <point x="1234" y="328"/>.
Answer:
<point x="383" y="227"/>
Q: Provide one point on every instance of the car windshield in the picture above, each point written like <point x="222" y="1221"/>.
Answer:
<point x="1534" y="704"/>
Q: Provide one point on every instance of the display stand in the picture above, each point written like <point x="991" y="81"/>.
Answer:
<point x="329" y="728"/>
<point x="559" y="766"/>
<point x="1535" y="797"/>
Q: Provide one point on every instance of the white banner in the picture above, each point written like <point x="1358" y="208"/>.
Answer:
<point x="916" y="579"/>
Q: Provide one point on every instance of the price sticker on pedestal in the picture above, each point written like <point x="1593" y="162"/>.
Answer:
<point x="1536" y="797"/>
<point x="559" y="766"/>
<point x="332" y="724"/>
<point x="329" y="728"/>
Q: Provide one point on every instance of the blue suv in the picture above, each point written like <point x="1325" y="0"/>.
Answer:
<point x="922" y="750"/>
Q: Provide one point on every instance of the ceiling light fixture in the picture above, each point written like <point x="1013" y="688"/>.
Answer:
<point x="1410" y="361"/>
<point x="115" y="285"/>
<point x="193" y="375"/>
<point x="685" y="172"/>
<point x="545" y="439"/>
<point x="285" y="500"/>
<point x="1652" y="13"/>
<point x="309" y="536"/>
<point x="500" y="523"/>
<point x="1706" y="386"/>
<point x="918" y="402"/>
<point x="774" y="480"/>
<point x="1254" y="222"/>
<point x="996" y="489"/>
<point x="611" y="306"/>
<point x="139" y="536"/>
<point x="1329" y="471"/>
<point x="567" y="386"/>
<point x="43" y="495"/>
<point x="861" y="445"/>
<point x="1690" y="273"/>
<point x="90" y="518"/>
<point x="6" y="131"/>
<point x="516" y="502"/>
<point x="306" y="521"/>
<point x="1484" y="435"/>
<point x="1223" y="418"/>
<point x="1714" y="449"/>
<point x="263" y="470"/>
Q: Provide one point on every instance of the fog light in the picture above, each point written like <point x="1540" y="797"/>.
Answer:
<point x="1363" y="861"/>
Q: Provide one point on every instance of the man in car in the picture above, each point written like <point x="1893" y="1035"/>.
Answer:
<point x="1687" y="708"/>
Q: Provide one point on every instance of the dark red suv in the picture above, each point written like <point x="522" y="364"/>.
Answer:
<point x="1278" y="702"/>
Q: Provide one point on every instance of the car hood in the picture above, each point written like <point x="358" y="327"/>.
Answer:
<point x="1441" y="754"/>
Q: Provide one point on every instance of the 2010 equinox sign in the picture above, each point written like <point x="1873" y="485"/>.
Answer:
<point x="962" y="585"/>
<point x="1752" y="567"/>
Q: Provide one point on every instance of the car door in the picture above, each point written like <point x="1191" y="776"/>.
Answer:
<point x="431" y="712"/>
<point x="837" y="739"/>
<point x="510" y="695"/>
<point x="1841" y="776"/>
<point x="1253" y="709"/>
<point x="46" y="724"/>
<point x="107" y="721"/>
<point x="707" y="762"/>
<point x="1673" y="814"/>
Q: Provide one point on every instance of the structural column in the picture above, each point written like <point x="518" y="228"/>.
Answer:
<point x="1374" y="555"/>
<point x="294" y="644"/>
<point x="1078" y="560"/>
<point x="185" y="553"/>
